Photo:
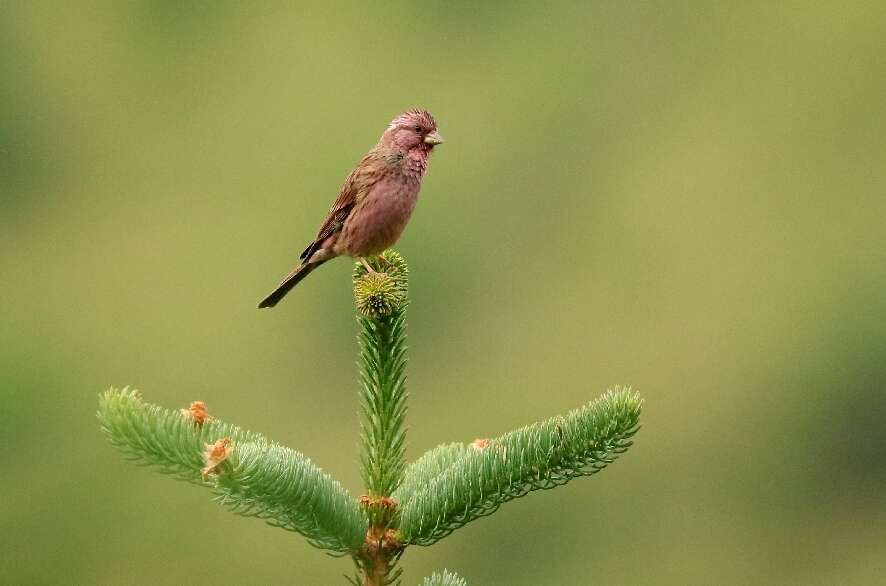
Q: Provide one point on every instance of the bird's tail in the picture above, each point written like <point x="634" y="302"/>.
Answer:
<point x="291" y="280"/>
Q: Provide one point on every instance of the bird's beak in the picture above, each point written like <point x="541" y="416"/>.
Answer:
<point x="433" y="138"/>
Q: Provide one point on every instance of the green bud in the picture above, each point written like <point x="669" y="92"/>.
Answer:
<point x="381" y="293"/>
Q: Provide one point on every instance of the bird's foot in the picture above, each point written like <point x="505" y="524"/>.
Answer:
<point x="383" y="260"/>
<point x="372" y="271"/>
<point x="366" y="266"/>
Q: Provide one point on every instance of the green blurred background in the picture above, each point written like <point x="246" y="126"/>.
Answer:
<point x="685" y="197"/>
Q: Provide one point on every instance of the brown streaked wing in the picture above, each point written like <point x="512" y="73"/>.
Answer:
<point x="364" y="175"/>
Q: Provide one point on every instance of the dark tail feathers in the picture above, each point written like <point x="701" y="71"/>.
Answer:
<point x="291" y="280"/>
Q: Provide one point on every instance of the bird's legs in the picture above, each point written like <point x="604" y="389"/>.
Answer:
<point x="383" y="260"/>
<point x="369" y="269"/>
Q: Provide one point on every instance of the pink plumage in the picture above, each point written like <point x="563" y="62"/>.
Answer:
<point x="376" y="201"/>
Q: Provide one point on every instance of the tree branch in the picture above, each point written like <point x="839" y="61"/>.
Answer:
<point x="453" y="485"/>
<point x="254" y="477"/>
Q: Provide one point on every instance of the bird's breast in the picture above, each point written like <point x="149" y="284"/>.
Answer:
<point x="380" y="218"/>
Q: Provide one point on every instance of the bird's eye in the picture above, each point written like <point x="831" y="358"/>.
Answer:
<point x="417" y="128"/>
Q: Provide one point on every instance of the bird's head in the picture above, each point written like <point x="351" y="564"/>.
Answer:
<point x="413" y="132"/>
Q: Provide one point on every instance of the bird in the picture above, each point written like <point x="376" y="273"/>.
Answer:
<point x="376" y="201"/>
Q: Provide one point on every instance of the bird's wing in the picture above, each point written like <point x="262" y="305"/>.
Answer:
<point x="356" y="186"/>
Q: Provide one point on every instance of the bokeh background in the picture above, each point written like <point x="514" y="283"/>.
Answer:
<point x="688" y="198"/>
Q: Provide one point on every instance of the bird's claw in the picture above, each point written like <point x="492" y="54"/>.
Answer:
<point x="382" y="259"/>
<point x="368" y="267"/>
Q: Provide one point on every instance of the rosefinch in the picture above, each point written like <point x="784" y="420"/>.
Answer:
<point x="375" y="202"/>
